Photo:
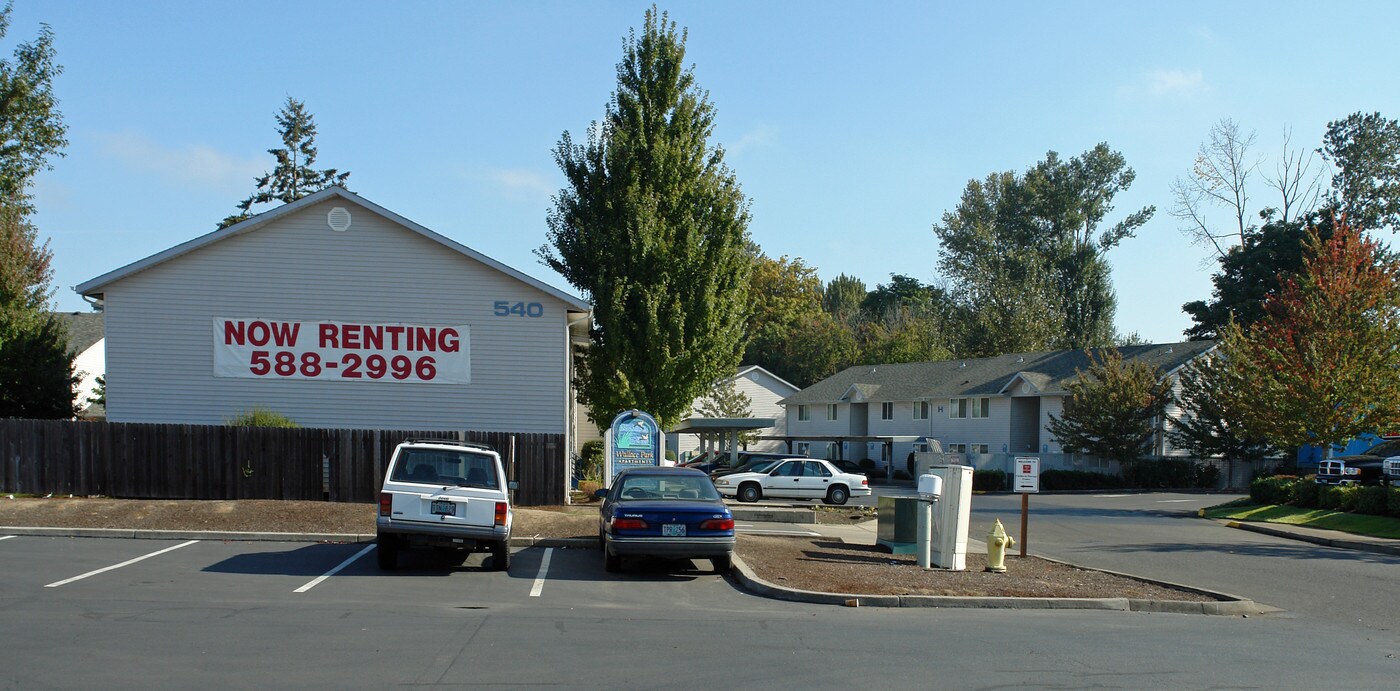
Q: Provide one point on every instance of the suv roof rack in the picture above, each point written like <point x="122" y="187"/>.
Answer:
<point x="451" y="442"/>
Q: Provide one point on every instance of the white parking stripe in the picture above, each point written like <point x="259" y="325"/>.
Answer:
<point x="128" y="562"/>
<point x="1173" y="501"/>
<point x="317" y="581"/>
<point x="6" y="537"/>
<point x="544" y="569"/>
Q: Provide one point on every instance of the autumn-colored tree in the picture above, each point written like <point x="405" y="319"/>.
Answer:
<point x="1321" y="366"/>
<point x="1111" y="407"/>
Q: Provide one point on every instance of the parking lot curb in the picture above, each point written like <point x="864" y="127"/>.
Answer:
<point x="1233" y="606"/>
<point x="1342" y="543"/>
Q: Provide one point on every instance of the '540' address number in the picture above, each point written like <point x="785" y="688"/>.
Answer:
<point x="506" y="308"/>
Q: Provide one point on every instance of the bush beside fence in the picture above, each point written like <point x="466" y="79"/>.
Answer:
<point x="1305" y="493"/>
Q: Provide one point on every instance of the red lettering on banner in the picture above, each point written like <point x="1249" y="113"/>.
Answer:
<point x="393" y="332"/>
<point x="426" y="338"/>
<point x="374" y="337"/>
<point x="259" y="334"/>
<point x="285" y="334"/>
<point x="350" y="336"/>
<point x="233" y="333"/>
<point x="330" y="336"/>
<point x="449" y="340"/>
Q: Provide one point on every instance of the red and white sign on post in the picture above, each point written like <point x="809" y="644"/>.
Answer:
<point x="341" y="351"/>
<point x="1027" y="474"/>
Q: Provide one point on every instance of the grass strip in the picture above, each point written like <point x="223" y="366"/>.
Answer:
<point x="1356" y="524"/>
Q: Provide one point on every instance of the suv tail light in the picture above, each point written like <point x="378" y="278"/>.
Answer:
<point x="717" y="524"/>
<point x="501" y="510"/>
<point x="628" y="524"/>
<point x="386" y="503"/>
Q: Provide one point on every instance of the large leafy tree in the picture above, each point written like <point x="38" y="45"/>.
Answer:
<point x="1365" y="148"/>
<point x="1042" y="234"/>
<point x="1111" y="407"/>
<point x="784" y="294"/>
<point x="1252" y="271"/>
<point x="295" y="174"/>
<point x="652" y="227"/>
<point x="843" y="296"/>
<point x="1319" y="367"/>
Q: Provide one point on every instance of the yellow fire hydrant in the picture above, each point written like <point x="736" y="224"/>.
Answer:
<point x="997" y="544"/>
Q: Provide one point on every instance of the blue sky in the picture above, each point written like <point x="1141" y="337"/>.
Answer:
<point x="851" y="126"/>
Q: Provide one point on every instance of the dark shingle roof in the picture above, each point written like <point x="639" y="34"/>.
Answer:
<point x="1049" y="372"/>
<point x="84" y="329"/>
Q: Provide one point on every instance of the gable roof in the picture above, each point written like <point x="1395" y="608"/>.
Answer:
<point x="745" y="369"/>
<point x="1049" y="372"/>
<point x="94" y="287"/>
<point x="85" y="329"/>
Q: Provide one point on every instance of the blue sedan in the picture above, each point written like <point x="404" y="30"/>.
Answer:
<point x="664" y="512"/>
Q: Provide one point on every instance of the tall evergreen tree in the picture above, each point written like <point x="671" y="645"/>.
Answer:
<point x="652" y="227"/>
<point x="1210" y="423"/>
<point x="294" y="176"/>
<point x="843" y="296"/>
<point x="36" y="370"/>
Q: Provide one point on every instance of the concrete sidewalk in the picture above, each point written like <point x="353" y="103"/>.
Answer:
<point x="1327" y="538"/>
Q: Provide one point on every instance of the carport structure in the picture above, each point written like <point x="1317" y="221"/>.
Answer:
<point x="723" y="429"/>
<point x="886" y="441"/>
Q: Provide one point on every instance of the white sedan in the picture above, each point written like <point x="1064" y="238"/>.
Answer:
<point x="799" y="478"/>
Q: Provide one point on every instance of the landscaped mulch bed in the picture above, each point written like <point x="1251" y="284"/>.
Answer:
<point x="832" y="566"/>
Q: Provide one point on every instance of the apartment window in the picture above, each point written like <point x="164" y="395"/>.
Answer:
<point x="804" y="448"/>
<point x="886" y="411"/>
<point x="965" y="407"/>
<point x="804" y="413"/>
<point x="831" y="411"/>
<point x="957" y="448"/>
<point x="977" y="448"/>
<point x="921" y="410"/>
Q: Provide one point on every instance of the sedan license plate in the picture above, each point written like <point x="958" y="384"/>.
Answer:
<point x="444" y="508"/>
<point x="672" y="530"/>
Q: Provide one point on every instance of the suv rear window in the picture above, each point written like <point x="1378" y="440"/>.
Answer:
<point x="446" y="467"/>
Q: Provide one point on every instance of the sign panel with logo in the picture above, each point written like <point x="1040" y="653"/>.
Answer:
<point x="633" y="440"/>
<point x="1027" y="474"/>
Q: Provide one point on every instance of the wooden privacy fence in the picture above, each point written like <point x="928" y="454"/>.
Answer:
<point x="156" y="461"/>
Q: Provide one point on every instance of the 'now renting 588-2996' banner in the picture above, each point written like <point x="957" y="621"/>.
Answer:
<point x="341" y="351"/>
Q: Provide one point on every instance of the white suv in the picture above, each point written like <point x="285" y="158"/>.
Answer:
<point x="448" y="495"/>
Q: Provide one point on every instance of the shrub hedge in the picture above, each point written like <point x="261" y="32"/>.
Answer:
<point x="989" y="480"/>
<point x="1305" y="493"/>
<point x="1078" y="479"/>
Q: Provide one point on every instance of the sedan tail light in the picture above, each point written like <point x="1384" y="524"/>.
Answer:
<point x="628" y="524"/>
<point x="386" y="503"/>
<point x="501" y="509"/>
<point x="717" y="524"/>
<point x="865" y="481"/>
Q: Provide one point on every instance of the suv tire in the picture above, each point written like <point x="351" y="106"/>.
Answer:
<point x="500" y="555"/>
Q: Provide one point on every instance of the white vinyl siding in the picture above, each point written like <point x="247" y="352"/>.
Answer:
<point x="160" y="337"/>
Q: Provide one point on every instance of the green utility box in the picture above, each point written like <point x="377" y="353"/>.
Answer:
<point x="898" y="525"/>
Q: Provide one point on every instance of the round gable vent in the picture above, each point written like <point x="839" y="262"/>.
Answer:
<point x="338" y="219"/>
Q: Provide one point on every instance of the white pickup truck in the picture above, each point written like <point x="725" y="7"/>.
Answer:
<point x="448" y="495"/>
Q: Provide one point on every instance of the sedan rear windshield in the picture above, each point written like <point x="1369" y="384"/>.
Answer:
<point x="446" y="467"/>
<point x="696" y="487"/>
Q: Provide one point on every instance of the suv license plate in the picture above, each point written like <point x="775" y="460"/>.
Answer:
<point x="444" y="508"/>
<point x="673" y="530"/>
